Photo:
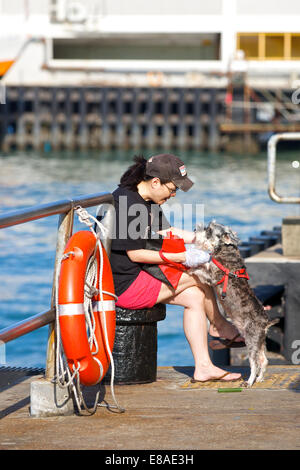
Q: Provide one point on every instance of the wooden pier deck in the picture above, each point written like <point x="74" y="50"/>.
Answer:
<point x="169" y="414"/>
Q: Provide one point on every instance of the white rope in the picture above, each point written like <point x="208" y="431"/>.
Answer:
<point x="85" y="217"/>
<point x="63" y="371"/>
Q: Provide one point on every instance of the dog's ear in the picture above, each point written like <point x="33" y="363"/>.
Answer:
<point x="199" y="227"/>
<point x="230" y="237"/>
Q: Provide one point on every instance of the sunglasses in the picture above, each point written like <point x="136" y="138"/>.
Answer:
<point x="171" y="190"/>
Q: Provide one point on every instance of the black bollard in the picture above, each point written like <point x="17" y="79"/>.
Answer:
<point x="245" y="249"/>
<point x="256" y="246"/>
<point x="219" y="357"/>
<point x="267" y="240"/>
<point x="135" y="346"/>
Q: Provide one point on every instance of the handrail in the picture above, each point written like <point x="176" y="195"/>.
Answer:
<point x="26" y="326"/>
<point x="272" y="144"/>
<point x="65" y="209"/>
<point x="59" y="207"/>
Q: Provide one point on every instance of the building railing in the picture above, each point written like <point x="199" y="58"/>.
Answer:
<point x="65" y="209"/>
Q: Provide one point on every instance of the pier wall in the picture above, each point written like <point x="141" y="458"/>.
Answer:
<point x="79" y="118"/>
<point x="97" y="118"/>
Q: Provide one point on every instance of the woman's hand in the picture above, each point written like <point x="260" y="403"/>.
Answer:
<point x="195" y="257"/>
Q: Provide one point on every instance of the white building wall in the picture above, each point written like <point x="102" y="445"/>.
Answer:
<point x="164" y="7"/>
<point x="101" y="17"/>
<point x="17" y="7"/>
<point x="268" y="7"/>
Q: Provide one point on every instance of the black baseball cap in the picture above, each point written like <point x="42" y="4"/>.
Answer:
<point x="169" y="168"/>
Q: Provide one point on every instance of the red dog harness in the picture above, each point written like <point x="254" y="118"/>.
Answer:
<point x="241" y="273"/>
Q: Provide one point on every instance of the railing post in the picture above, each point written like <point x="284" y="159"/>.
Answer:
<point x="65" y="228"/>
<point x="46" y="398"/>
<point x="106" y="215"/>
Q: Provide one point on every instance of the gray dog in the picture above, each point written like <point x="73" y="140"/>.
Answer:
<point x="227" y="273"/>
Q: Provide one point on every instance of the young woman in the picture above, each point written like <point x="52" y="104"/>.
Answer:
<point x="143" y="188"/>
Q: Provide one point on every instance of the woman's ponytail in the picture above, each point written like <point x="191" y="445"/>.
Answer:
<point x="135" y="173"/>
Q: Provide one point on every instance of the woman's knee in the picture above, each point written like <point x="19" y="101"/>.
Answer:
<point x="195" y="294"/>
<point x="191" y="297"/>
<point x="188" y="285"/>
<point x="186" y="281"/>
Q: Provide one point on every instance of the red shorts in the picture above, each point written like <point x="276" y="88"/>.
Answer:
<point x="142" y="293"/>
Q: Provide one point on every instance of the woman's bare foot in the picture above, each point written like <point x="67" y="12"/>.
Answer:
<point x="211" y="372"/>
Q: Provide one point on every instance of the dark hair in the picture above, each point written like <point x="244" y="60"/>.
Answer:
<point x="135" y="174"/>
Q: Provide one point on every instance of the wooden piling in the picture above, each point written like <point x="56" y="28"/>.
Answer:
<point x="198" y="130"/>
<point x="36" y="124"/>
<point x="181" y="142"/>
<point x="54" y="132"/>
<point x="135" y="136"/>
<point x="105" y="131"/>
<point x="120" y="128"/>
<point x="20" y="130"/>
<point x="149" y="141"/>
<point x="82" y="127"/>
<point x="212" y="132"/>
<point x="166" y="128"/>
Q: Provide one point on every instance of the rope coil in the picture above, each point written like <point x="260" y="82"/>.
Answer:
<point x="64" y="378"/>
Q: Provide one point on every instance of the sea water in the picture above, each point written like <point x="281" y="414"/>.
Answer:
<point x="229" y="189"/>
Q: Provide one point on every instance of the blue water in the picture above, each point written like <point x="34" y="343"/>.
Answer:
<point x="231" y="189"/>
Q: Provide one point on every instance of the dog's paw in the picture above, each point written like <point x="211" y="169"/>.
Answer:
<point x="249" y="383"/>
<point x="260" y="379"/>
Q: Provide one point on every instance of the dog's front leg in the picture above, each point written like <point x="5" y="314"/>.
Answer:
<point x="253" y="366"/>
<point x="263" y="362"/>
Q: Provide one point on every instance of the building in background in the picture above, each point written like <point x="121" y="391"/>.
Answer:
<point x="160" y="43"/>
<point x="222" y="74"/>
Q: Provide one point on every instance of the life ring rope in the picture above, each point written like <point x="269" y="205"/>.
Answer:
<point x="64" y="377"/>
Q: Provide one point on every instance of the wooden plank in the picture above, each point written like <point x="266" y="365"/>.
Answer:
<point x="259" y="127"/>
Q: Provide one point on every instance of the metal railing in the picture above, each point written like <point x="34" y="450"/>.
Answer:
<point x="65" y="209"/>
<point x="272" y="148"/>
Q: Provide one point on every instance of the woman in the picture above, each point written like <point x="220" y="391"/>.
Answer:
<point x="143" y="188"/>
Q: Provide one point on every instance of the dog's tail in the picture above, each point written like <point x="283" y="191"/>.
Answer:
<point x="272" y="322"/>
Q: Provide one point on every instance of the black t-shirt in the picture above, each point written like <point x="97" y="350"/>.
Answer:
<point x="136" y="221"/>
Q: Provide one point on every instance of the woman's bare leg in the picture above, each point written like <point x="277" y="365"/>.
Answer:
<point x="192" y="298"/>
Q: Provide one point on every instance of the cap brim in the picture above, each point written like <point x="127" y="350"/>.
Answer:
<point x="183" y="183"/>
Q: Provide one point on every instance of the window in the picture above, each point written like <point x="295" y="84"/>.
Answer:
<point x="140" y="47"/>
<point x="249" y="44"/>
<point x="274" y="46"/>
<point x="269" y="46"/>
<point x="295" y="46"/>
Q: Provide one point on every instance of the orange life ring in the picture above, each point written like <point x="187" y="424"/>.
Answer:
<point x="93" y="364"/>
